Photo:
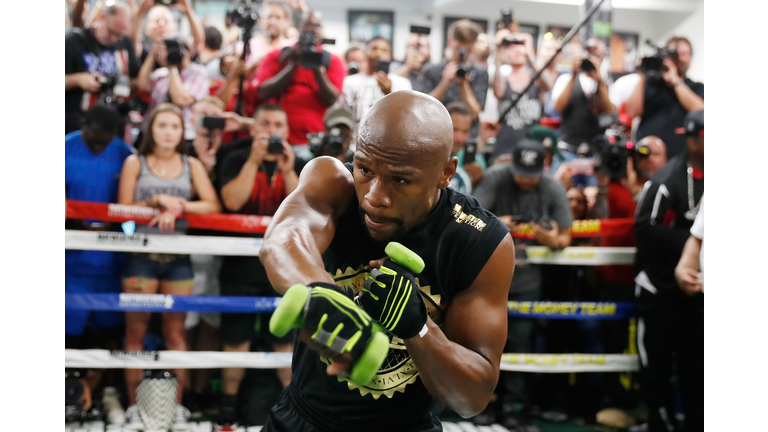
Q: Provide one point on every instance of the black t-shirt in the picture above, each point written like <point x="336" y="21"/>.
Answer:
<point x="663" y="113"/>
<point x="518" y="120"/>
<point x="247" y="269"/>
<point x="84" y="53"/>
<point x="455" y="240"/>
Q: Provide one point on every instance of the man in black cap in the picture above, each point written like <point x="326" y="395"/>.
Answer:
<point x="671" y="322"/>
<point x="525" y="200"/>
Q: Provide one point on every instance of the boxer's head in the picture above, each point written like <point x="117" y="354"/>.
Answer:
<point x="402" y="162"/>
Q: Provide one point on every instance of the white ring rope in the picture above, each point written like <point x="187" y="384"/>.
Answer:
<point x="546" y="363"/>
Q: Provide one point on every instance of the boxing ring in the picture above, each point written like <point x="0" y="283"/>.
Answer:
<point x="222" y="245"/>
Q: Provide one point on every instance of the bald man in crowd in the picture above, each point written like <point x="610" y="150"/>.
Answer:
<point x="92" y="54"/>
<point x="330" y="235"/>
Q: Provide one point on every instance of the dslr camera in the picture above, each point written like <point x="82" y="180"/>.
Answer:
<point x="509" y="40"/>
<point x="652" y="67"/>
<point x="275" y="145"/>
<point x="331" y="144"/>
<point x="115" y="90"/>
<point x="461" y="72"/>
<point x="175" y="52"/>
<point x="309" y="56"/>
<point x="586" y="63"/>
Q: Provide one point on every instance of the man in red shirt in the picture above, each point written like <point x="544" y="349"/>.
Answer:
<point x="305" y="94"/>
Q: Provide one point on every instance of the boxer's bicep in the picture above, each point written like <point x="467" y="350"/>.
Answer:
<point x="477" y="317"/>
<point x="304" y="225"/>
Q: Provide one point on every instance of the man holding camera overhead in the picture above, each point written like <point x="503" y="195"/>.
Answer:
<point x="304" y="79"/>
<point x="458" y="78"/>
<point x="665" y="95"/>
<point x="99" y="62"/>
<point x="581" y="97"/>
<point x="257" y="174"/>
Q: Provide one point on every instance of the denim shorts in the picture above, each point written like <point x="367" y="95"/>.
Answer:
<point x="169" y="268"/>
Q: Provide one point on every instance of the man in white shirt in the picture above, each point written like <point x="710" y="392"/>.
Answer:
<point x="373" y="82"/>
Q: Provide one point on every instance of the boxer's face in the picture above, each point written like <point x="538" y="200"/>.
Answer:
<point x="396" y="187"/>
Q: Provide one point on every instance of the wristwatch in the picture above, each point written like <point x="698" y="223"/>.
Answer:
<point x="678" y="82"/>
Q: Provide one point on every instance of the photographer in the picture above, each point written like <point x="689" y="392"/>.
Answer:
<point x="256" y="178"/>
<point x="335" y="143"/>
<point x="458" y="79"/>
<point x="663" y="98"/>
<point x="671" y="322"/>
<point x="580" y="97"/>
<point x="91" y="56"/>
<point x="520" y="195"/>
<point x="468" y="173"/>
<point x="517" y="50"/>
<point x="177" y="80"/>
<point x="161" y="25"/>
<point x="305" y="93"/>
<point x="416" y="61"/>
<point x="363" y="89"/>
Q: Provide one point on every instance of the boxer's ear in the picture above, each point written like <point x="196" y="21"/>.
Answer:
<point x="449" y="170"/>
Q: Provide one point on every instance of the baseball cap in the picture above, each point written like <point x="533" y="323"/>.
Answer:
<point x="694" y="124"/>
<point x="547" y="137"/>
<point x="528" y="158"/>
<point x="337" y="116"/>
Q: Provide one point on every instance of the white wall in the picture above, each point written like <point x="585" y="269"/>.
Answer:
<point x="654" y="25"/>
<point x="692" y="27"/>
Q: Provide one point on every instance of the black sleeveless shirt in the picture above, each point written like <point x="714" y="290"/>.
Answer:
<point x="455" y="240"/>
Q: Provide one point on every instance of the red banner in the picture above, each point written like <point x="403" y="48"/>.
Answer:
<point x="138" y="214"/>
<point x="258" y="224"/>
<point x="589" y="228"/>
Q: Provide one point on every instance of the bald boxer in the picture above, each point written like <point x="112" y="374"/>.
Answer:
<point x="331" y="233"/>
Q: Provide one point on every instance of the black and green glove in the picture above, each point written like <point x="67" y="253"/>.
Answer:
<point x="392" y="296"/>
<point x="337" y="322"/>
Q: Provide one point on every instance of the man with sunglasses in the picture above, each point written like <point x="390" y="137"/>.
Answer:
<point x="99" y="60"/>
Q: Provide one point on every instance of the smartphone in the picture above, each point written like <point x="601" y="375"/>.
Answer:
<point x="470" y="151"/>
<point x="420" y="30"/>
<point x="212" y="123"/>
<point x="582" y="166"/>
<point x="383" y="66"/>
<point x="506" y="17"/>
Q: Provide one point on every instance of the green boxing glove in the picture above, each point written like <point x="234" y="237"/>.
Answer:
<point x="338" y="323"/>
<point x="393" y="298"/>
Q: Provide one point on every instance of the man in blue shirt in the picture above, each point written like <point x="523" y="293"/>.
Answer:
<point x="94" y="158"/>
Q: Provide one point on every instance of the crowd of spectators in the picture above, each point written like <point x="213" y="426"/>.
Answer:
<point x="185" y="121"/>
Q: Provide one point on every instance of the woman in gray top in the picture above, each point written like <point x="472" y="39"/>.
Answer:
<point x="161" y="176"/>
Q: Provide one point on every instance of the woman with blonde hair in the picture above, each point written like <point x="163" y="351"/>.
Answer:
<point x="161" y="176"/>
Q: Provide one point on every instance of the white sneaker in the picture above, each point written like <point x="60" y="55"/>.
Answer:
<point x="115" y="413"/>
<point x="180" y="418"/>
<point x="133" y="418"/>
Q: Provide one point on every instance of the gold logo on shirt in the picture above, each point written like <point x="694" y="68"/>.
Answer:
<point x="468" y="219"/>
<point x="398" y="369"/>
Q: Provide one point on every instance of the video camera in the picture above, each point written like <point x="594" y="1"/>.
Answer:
<point x="244" y="13"/>
<point x="309" y="56"/>
<point x="332" y="144"/>
<point x="652" y="67"/>
<point x="613" y="148"/>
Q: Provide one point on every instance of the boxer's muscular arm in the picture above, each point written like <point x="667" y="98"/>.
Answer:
<point x="460" y="364"/>
<point x="304" y="225"/>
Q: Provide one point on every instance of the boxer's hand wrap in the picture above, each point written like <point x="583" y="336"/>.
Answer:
<point x="339" y="323"/>
<point x="394" y="300"/>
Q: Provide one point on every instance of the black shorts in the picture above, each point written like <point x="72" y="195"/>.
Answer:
<point x="283" y="417"/>
<point x="237" y="328"/>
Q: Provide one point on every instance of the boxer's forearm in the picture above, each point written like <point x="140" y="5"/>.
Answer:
<point x="459" y="377"/>
<point x="291" y="255"/>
